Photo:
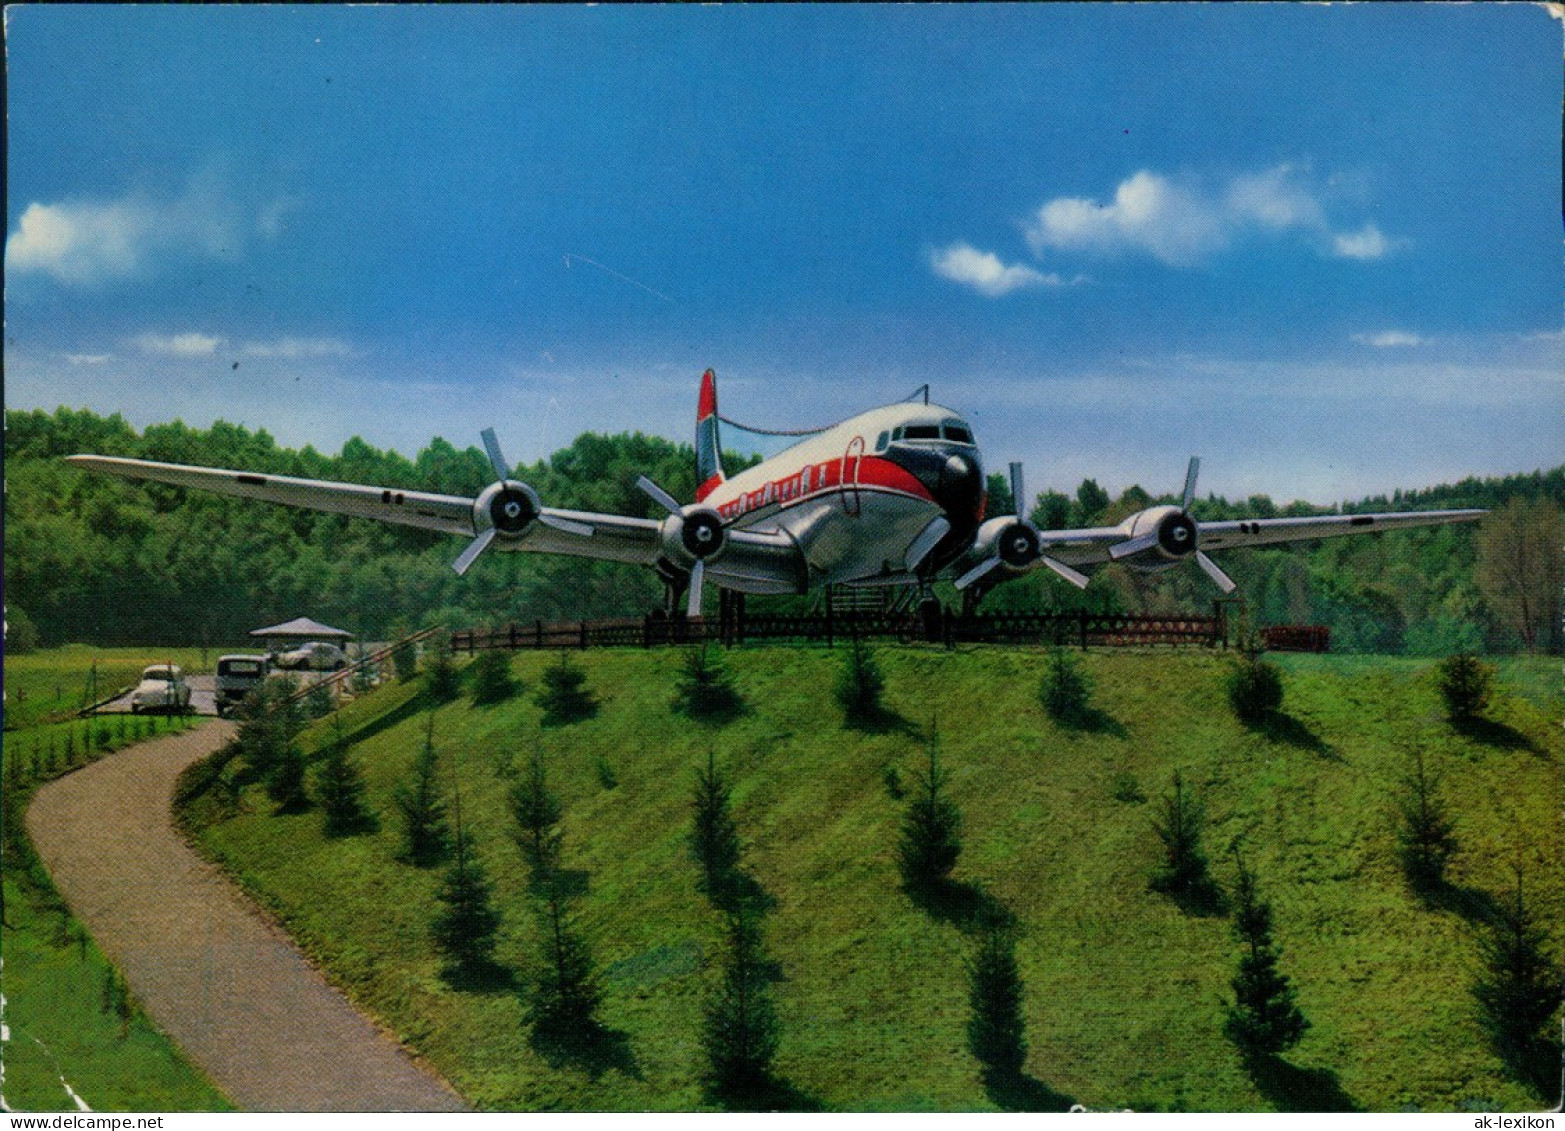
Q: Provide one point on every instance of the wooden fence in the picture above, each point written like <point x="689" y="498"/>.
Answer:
<point x="1081" y="630"/>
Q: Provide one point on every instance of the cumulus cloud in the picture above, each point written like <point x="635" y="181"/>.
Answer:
<point x="190" y="344"/>
<point x="86" y="242"/>
<point x="1389" y="339"/>
<point x="1366" y="243"/>
<point x="985" y="273"/>
<point x="1183" y="220"/>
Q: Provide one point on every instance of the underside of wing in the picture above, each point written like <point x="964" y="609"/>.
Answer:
<point x="1270" y="531"/>
<point x="449" y="514"/>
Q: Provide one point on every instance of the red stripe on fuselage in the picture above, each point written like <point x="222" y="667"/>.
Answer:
<point x="816" y="479"/>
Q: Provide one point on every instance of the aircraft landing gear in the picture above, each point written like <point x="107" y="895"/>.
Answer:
<point x="932" y="614"/>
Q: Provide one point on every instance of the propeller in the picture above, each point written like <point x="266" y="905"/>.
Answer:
<point x="1019" y="546"/>
<point x="699" y="534"/>
<point x="507" y="507"/>
<point x="1178" y="533"/>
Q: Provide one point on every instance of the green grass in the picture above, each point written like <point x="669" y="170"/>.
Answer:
<point x="1124" y="989"/>
<point x="52" y="683"/>
<point x="61" y="1032"/>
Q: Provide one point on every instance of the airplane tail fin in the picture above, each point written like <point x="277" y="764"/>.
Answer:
<point x="709" y="458"/>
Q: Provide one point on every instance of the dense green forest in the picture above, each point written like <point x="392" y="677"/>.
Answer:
<point x="93" y="558"/>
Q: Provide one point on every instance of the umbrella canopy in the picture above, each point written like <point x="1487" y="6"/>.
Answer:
<point x="302" y="628"/>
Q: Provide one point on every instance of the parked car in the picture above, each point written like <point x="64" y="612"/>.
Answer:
<point x="162" y="688"/>
<point x="237" y="676"/>
<point x="314" y="656"/>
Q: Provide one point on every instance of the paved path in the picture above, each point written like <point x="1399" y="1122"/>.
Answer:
<point x="223" y="982"/>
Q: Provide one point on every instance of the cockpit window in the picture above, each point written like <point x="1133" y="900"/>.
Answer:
<point x="922" y="432"/>
<point x="959" y="433"/>
<point x="881" y="441"/>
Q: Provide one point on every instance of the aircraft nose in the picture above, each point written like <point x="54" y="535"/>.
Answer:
<point x="961" y="485"/>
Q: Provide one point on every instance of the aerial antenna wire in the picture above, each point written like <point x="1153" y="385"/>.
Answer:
<point x="625" y="278"/>
<point x="921" y="391"/>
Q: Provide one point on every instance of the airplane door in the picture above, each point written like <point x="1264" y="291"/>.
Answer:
<point x="852" y="461"/>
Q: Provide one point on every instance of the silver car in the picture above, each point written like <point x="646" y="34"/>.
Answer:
<point x="162" y="688"/>
<point x="315" y="656"/>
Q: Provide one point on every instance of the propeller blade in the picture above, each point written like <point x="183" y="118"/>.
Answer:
<point x="697" y="576"/>
<point x="1224" y="582"/>
<point x="477" y="546"/>
<point x="1018" y="493"/>
<point x="659" y="496"/>
<point x="937" y="529"/>
<point x="1190" y="475"/>
<point x="1075" y="577"/>
<point x="496" y="458"/>
<point x="1133" y="547"/>
<point x="977" y="572"/>
<point x="566" y="526"/>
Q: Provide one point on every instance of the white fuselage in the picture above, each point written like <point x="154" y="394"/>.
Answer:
<point x="856" y="497"/>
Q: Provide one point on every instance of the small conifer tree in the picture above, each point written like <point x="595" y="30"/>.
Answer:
<point x="1178" y="824"/>
<point x="1066" y="691"/>
<point x="1464" y="682"/>
<point x="995" y="1030"/>
<point x="1518" y="989"/>
<point x="404" y="661"/>
<point x="931" y="828"/>
<point x="860" y="685"/>
<point x="492" y="678"/>
<point x="565" y="990"/>
<point x="739" y="1034"/>
<point x="441" y="676"/>
<point x="537" y="812"/>
<point x="1263" y="1018"/>
<point x="714" y="838"/>
<point x="285" y="783"/>
<point x="564" y="695"/>
<point x="1425" y="836"/>
<point x="465" y="925"/>
<point x="426" y="837"/>
<point x="320" y="701"/>
<point x="704" y="689"/>
<point x="340" y="785"/>
<point x="1254" y="690"/>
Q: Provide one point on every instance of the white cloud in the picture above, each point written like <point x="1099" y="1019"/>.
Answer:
<point x="292" y="349"/>
<point x="983" y="271"/>
<point x="1181" y="221"/>
<point x="191" y="344"/>
<point x="92" y="242"/>
<point x="1389" y="339"/>
<point x="88" y="358"/>
<point x="1366" y="243"/>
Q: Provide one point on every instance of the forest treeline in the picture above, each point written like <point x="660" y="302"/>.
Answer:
<point x="94" y="558"/>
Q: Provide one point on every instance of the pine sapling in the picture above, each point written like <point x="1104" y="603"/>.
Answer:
<point x="714" y="838"/>
<point x="739" y="1033"/>
<point x="1425" y="836"/>
<point x="1264" y="1018"/>
<point x="995" y="1030"/>
<point x="426" y="837"/>
<point x="931" y="838"/>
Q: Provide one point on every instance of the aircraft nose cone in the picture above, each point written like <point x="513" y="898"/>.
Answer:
<point x="958" y="468"/>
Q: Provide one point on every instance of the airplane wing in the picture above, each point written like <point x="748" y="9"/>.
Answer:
<point x="1089" y="546"/>
<point x="754" y="561"/>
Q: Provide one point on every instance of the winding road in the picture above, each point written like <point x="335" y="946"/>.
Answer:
<point x="217" y="976"/>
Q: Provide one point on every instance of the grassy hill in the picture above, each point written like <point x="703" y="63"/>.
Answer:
<point x="1125" y="989"/>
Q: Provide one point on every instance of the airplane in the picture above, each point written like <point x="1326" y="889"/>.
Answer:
<point x="892" y="496"/>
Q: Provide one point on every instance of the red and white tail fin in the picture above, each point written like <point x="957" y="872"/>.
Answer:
<point x="709" y="456"/>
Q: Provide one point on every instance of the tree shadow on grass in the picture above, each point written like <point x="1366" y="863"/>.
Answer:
<point x="1091" y="720"/>
<point x="741" y="891"/>
<point x="1473" y="904"/>
<point x="1279" y="726"/>
<point x="879" y="720"/>
<point x="414" y="706"/>
<point x="1291" y="1088"/>
<point x="1537" y="1066"/>
<point x="1491" y="733"/>
<point x="484" y="976"/>
<point x="595" y="1050"/>
<point x="564" y="714"/>
<point x="1018" y="1091"/>
<point x="1201" y="896"/>
<point x="771" y="1094"/>
<point x="968" y="907"/>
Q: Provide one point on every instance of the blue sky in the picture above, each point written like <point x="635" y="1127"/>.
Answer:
<point x="1318" y="245"/>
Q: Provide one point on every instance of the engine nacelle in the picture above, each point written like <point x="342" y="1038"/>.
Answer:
<point x="693" y="534"/>
<point x="507" y="507"/>
<point x="1013" y="540"/>
<point x="1177" y="534"/>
